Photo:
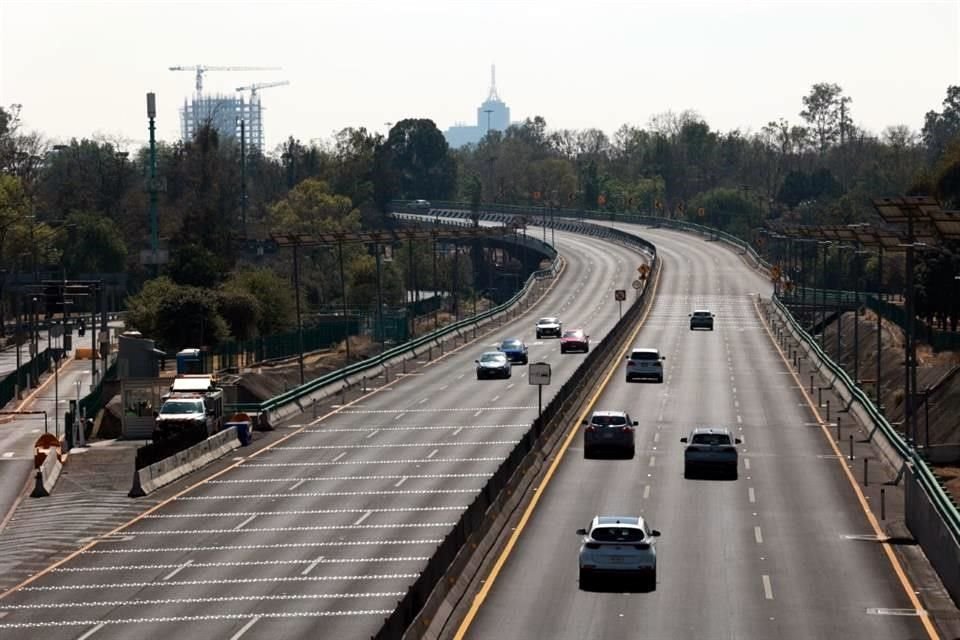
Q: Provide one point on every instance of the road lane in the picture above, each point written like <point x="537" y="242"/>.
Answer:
<point x="762" y="556"/>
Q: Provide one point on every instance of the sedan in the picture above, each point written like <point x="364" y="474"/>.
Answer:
<point x="493" y="364"/>
<point x="549" y="327"/>
<point x="574" y="340"/>
<point x="618" y="546"/>
<point x="515" y="350"/>
<point x="710" y="449"/>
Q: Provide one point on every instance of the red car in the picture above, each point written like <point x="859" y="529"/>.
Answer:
<point x="574" y="340"/>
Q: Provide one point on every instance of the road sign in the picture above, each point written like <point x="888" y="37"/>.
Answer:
<point x="539" y="373"/>
<point x="620" y="295"/>
<point x="637" y="284"/>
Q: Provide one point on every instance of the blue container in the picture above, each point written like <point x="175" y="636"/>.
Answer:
<point x="243" y="431"/>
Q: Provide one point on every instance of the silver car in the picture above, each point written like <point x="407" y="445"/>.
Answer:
<point x="618" y="546"/>
<point x="493" y="364"/>
<point x="645" y="364"/>
<point x="609" y="430"/>
<point x="710" y="449"/>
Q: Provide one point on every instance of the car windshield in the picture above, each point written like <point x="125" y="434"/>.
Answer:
<point x="711" y="438"/>
<point x="492" y="357"/>
<point x="510" y="344"/>
<point x="617" y="534"/>
<point x="612" y="421"/>
<point x="573" y="334"/>
<point x="547" y="321"/>
<point x="181" y="407"/>
<point x="644" y="355"/>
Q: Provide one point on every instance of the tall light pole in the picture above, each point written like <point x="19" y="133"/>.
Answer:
<point x="243" y="177"/>
<point x="152" y="185"/>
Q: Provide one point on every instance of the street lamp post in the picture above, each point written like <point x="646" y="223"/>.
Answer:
<point x="152" y="185"/>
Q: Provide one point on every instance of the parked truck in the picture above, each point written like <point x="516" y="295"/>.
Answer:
<point x="193" y="409"/>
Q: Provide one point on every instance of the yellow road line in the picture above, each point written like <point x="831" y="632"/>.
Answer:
<point x="908" y="588"/>
<point x="481" y="596"/>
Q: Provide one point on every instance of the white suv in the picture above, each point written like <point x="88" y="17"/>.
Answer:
<point x="645" y="364"/>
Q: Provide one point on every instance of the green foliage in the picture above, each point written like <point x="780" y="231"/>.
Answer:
<point x="273" y="294"/>
<point x="414" y="162"/>
<point x="732" y="210"/>
<point x="189" y="319"/>
<point x="310" y="207"/>
<point x="104" y="249"/>
<point x="825" y="110"/>
<point x="939" y="128"/>
<point x="241" y="311"/>
<point x="195" y="265"/>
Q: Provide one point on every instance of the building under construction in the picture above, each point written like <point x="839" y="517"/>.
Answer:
<point x="224" y="113"/>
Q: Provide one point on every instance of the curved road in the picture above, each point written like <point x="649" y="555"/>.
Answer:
<point x="322" y="533"/>
<point x="773" y="554"/>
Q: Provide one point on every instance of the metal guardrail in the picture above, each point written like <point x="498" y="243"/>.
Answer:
<point x="925" y="476"/>
<point x="370" y="363"/>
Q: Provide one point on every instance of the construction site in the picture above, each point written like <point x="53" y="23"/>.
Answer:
<point x="237" y="116"/>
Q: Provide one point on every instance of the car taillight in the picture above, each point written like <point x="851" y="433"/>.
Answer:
<point x="591" y="428"/>
<point x="593" y="545"/>
<point x="626" y="428"/>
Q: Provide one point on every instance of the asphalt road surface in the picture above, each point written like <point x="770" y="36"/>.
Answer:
<point x="321" y="535"/>
<point x="777" y="553"/>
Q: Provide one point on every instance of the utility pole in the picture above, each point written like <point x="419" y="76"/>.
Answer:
<point x="296" y="288"/>
<point x="243" y="177"/>
<point x="152" y="186"/>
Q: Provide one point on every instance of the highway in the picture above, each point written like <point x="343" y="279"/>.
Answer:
<point x="323" y="532"/>
<point x="785" y="551"/>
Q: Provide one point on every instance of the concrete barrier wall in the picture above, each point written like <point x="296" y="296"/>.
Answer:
<point x="47" y="475"/>
<point x="933" y="534"/>
<point x="180" y="464"/>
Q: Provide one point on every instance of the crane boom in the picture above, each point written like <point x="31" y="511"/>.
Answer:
<point x="203" y="68"/>
<point x="256" y="86"/>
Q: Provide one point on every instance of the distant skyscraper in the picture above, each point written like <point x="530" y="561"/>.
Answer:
<point x="492" y="115"/>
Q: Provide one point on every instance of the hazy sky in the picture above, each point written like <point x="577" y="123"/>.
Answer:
<point x="82" y="68"/>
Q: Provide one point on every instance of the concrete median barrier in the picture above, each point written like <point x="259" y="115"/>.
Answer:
<point x="161" y="473"/>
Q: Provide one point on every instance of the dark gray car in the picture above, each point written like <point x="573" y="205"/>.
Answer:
<point x="609" y="431"/>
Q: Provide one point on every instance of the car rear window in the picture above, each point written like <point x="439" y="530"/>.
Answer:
<point x="701" y="313"/>
<point x="644" y="355"/>
<point x="711" y="438"/>
<point x="613" y="421"/>
<point x="572" y="334"/>
<point x="617" y="534"/>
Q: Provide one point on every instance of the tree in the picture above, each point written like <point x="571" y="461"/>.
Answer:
<point x="274" y="295"/>
<point x="176" y="316"/>
<point x="241" y="311"/>
<point x="195" y="265"/>
<point x="940" y="128"/>
<point x="92" y="244"/>
<point x="414" y="162"/>
<point x="825" y="110"/>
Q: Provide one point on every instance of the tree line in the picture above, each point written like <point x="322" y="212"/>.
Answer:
<point x="81" y="207"/>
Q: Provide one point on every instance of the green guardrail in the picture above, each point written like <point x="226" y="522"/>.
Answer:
<point x="927" y="479"/>
<point x="358" y="367"/>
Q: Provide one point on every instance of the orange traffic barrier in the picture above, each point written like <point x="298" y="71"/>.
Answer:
<point x="83" y="353"/>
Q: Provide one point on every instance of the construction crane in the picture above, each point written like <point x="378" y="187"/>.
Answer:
<point x="253" y="88"/>
<point x="202" y="68"/>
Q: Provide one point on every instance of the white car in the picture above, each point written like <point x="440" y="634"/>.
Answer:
<point x="710" y="449"/>
<point x="549" y="327"/>
<point x="645" y="364"/>
<point x="618" y="546"/>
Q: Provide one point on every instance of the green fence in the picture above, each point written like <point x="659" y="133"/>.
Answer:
<point x="93" y="402"/>
<point x="9" y="384"/>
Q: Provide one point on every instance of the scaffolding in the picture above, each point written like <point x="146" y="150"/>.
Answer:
<point x="224" y="114"/>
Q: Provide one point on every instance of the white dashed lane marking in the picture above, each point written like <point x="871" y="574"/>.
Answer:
<point x="207" y="618"/>
<point x="758" y="535"/>
<point x="218" y="581"/>
<point x="371" y="434"/>
<point x="429" y="542"/>
<point x="219" y="565"/>
<point x="330" y="494"/>
<point x="245" y="523"/>
<point x="340" y="455"/>
<point x="751" y="495"/>
<point x="767" y="588"/>
<point x="370" y="462"/>
<point x="320" y="447"/>
<point x="206" y="600"/>
<point x="91" y="631"/>
<point x="362" y="518"/>
<point x="297" y="512"/>
<point x="245" y="628"/>
<point x="177" y="570"/>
